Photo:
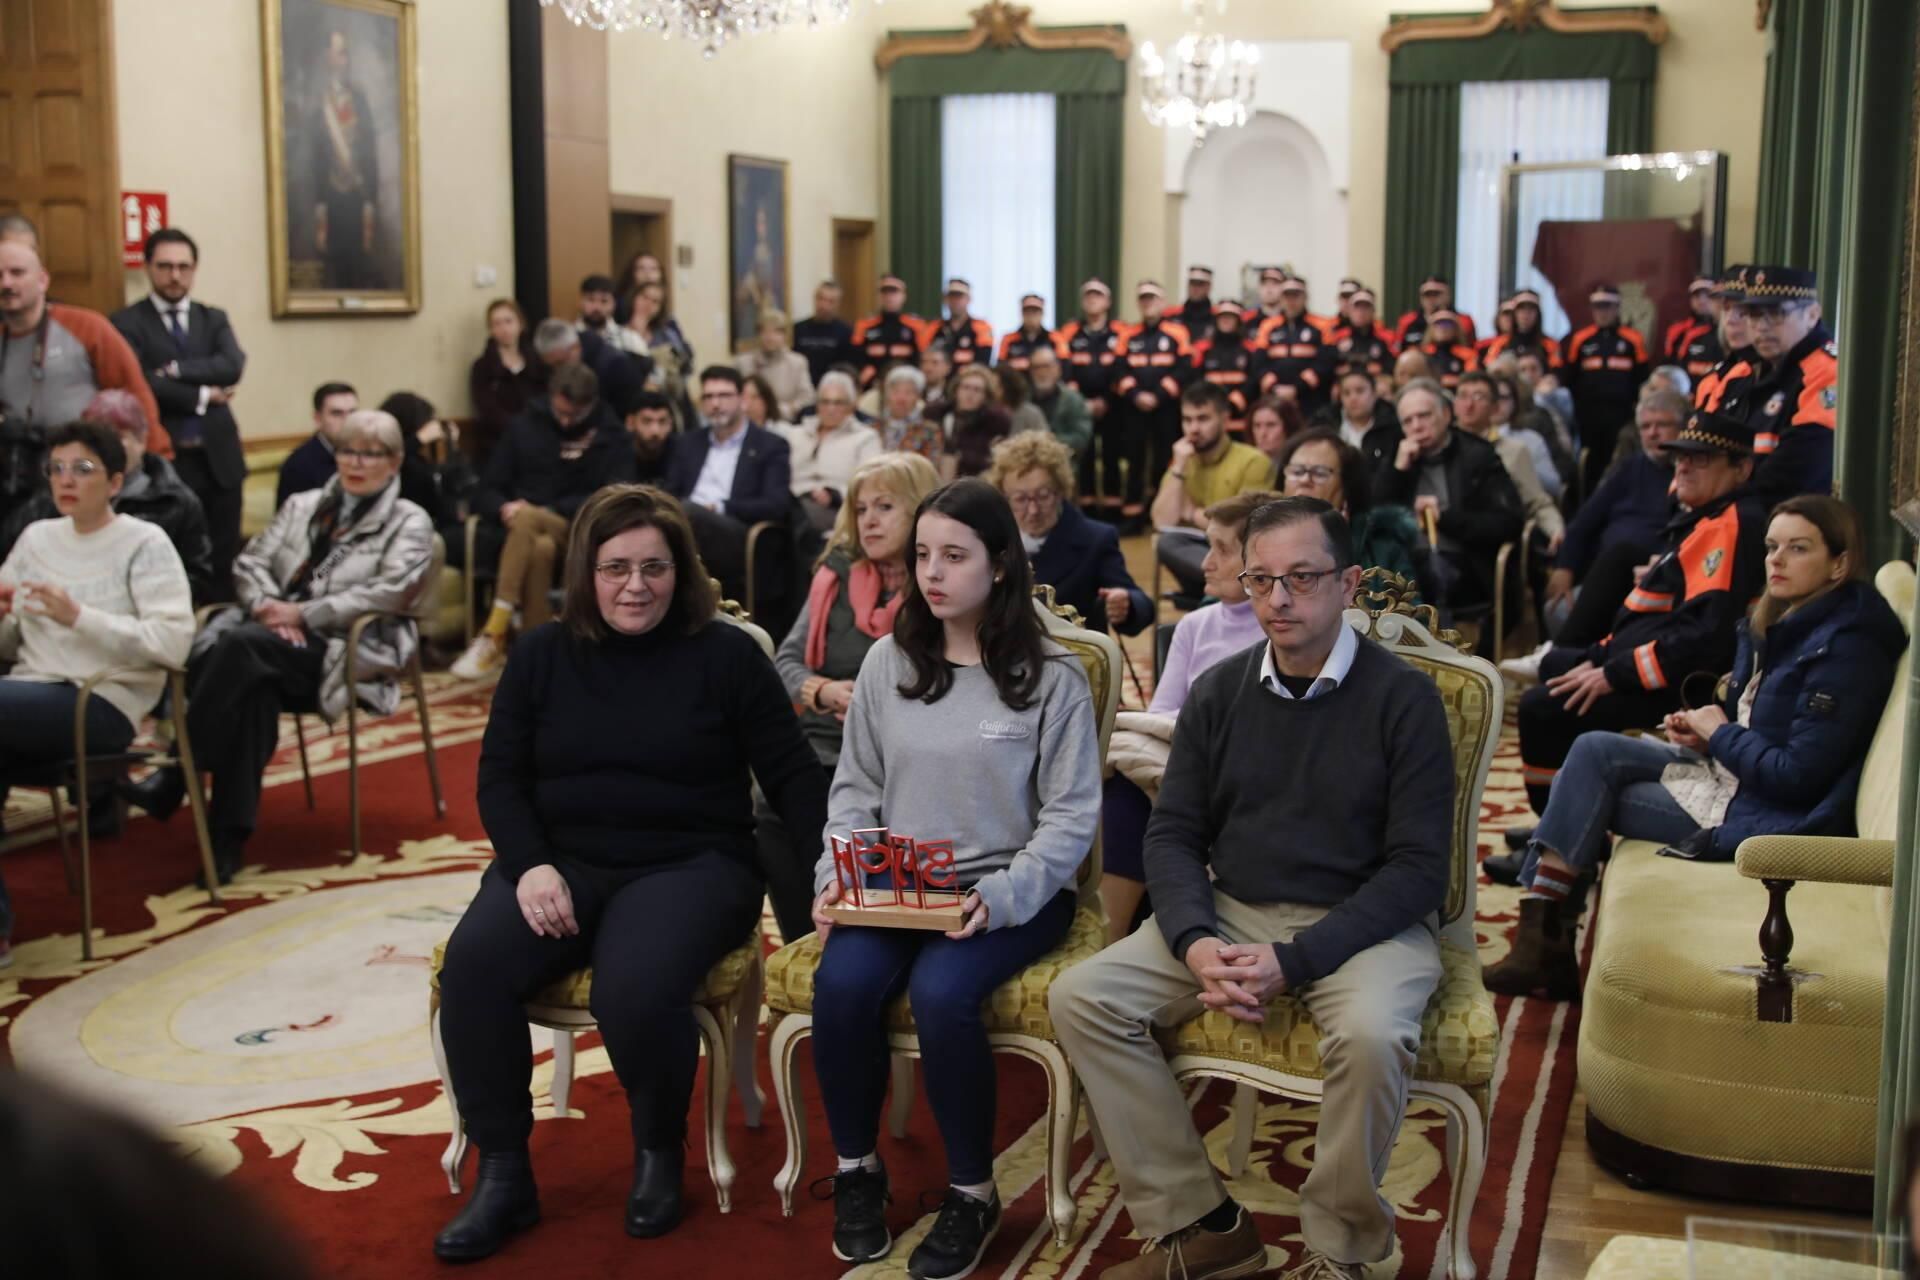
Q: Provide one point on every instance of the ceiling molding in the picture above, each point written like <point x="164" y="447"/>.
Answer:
<point x="1522" y="16"/>
<point x="1000" y="25"/>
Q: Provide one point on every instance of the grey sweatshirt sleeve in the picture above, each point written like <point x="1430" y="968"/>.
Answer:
<point x="1068" y="779"/>
<point x="860" y="779"/>
<point x="790" y="659"/>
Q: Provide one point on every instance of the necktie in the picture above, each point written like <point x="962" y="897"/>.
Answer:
<point x="176" y="325"/>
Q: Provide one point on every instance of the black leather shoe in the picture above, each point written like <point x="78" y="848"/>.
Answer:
<point x="504" y="1203"/>
<point x="1517" y="837"/>
<point x="161" y="795"/>
<point x="227" y="856"/>
<point x="1503" y="868"/>
<point x="653" y="1206"/>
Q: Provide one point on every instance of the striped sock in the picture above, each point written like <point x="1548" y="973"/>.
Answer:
<point x="1550" y="884"/>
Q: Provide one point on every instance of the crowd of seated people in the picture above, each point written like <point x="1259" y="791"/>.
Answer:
<point x="1282" y="456"/>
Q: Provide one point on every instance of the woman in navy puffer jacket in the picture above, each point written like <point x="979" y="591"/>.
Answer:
<point x="1780" y="756"/>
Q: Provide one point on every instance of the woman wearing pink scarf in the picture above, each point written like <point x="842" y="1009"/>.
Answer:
<point x="855" y="592"/>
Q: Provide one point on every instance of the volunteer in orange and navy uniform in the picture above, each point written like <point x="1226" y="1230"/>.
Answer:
<point x="967" y="338"/>
<point x="1605" y="363"/>
<point x="1448" y="354"/>
<point x="1017" y="348"/>
<point x="1734" y="369"/>
<point x="1155" y="366"/>
<point x="1694" y="343"/>
<point x="1362" y="342"/>
<point x="1291" y="350"/>
<point x="1272" y="280"/>
<point x="1503" y="327"/>
<point x="1525" y="334"/>
<point x="891" y="334"/>
<point x="1196" y="313"/>
<point x="1225" y="360"/>
<point x="1090" y="350"/>
<point x="1343" y="314"/>
<point x="1790" y="403"/>
<point x="1436" y="294"/>
<point x="1678" y="622"/>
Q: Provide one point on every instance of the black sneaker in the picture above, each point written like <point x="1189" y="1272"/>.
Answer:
<point x="860" y="1201"/>
<point x="959" y="1238"/>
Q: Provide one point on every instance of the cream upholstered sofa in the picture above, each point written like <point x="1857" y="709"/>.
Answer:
<point x="1730" y="1044"/>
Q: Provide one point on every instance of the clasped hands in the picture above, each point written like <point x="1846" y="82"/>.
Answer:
<point x="284" y="619"/>
<point x="1238" y="979"/>
<point x="42" y="599"/>
<point x="1693" y="729"/>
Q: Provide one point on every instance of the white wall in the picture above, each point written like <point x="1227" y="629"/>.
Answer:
<point x="1259" y="195"/>
<point x="811" y="98"/>
<point x="192" y="124"/>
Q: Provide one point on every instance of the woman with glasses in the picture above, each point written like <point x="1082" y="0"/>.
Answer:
<point x="1319" y="464"/>
<point x="353" y="546"/>
<point x="629" y="851"/>
<point x="80" y="593"/>
<point x="1079" y="558"/>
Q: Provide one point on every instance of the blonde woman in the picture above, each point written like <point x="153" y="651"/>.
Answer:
<point x="785" y="369"/>
<point x="857" y="588"/>
<point x="1079" y="558"/>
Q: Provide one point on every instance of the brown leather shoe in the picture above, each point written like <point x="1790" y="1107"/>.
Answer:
<point x="1198" y="1254"/>
<point x="1542" y="962"/>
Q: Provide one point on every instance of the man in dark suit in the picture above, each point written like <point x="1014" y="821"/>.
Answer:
<point x="730" y="475"/>
<point x="311" y="465"/>
<point x="192" y="362"/>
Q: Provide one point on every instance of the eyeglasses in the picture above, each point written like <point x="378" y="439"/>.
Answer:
<point x="621" y="571"/>
<point x="1771" y="314"/>
<point x="84" y="467"/>
<point x="1033" y="501"/>
<point x="365" y="457"/>
<point x="1301" y="471"/>
<point x="1301" y="582"/>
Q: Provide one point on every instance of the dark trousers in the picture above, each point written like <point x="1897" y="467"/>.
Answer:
<point x="236" y="691"/>
<point x="1548" y="729"/>
<point x="723" y="547"/>
<point x="788" y="866"/>
<point x="862" y="970"/>
<point x="1603" y="592"/>
<point x="1183" y="552"/>
<point x="651" y="934"/>
<point x="36" y="731"/>
<point x="1124" y="813"/>
<point x="222" y="503"/>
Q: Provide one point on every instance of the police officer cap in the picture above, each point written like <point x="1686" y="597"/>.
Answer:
<point x="1713" y="433"/>
<point x="1293" y="284"/>
<point x="1272" y="275"/>
<point x="1769" y="285"/>
<point x="892" y="282"/>
<point x="1033" y="302"/>
<point x="1199" y="275"/>
<point x="1605" y="293"/>
<point x="1434" y="284"/>
<point x="1733" y="283"/>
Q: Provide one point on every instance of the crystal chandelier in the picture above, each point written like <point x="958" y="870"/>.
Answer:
<point x="708" y="23"/>
<point x="1204" y="82"/>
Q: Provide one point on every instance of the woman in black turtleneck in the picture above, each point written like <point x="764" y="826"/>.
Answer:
<point x="614" y="783"/>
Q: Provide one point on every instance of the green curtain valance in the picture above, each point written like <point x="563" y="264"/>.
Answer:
<point x="1532" y="55"/>
<point x="1016" y="70"/>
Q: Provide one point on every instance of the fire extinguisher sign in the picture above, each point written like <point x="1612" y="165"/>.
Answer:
<point x="141" y="214"/>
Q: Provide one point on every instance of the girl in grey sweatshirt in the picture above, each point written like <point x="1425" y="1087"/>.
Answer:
<point x="968" y="725"/>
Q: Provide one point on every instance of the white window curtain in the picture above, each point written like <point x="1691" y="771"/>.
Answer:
<point x="996" y="183"/>
<point x="1505" y="122"/>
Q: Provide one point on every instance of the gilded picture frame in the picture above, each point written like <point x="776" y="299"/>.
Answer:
<point x="759" y="245"/>
<point x="343" y="164"/>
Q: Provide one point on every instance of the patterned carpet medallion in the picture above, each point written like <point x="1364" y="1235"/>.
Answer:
<point x="281" y="1038"/>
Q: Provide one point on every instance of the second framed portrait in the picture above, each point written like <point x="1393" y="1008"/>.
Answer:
<point x="758" y="240"/>
<point x="342" y="116"/>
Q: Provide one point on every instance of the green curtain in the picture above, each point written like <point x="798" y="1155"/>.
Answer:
<point x="1423" y="188"/>
<point x="1790" y="133"/>
<point x="1088" y="129"/>
<point x="913" y="205"/>
<point x="1089" y="88"/>
<point x="1423" y="128"/>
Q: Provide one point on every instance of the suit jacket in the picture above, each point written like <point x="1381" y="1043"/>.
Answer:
<point x="307" y="467"/>
<point x="212" y="358"/>
<point x="1078" y="558"/>
<point x="760" y="482"/>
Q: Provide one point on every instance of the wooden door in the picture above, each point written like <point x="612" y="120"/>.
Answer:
<point x="642" y="224"/>
<point x="59" y="143"/>
<point x="852" y="267"/>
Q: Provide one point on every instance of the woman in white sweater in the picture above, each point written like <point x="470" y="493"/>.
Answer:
<point x="79" y="594"/>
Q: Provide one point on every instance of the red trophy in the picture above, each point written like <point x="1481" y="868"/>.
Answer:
<point x="895" y="882"/>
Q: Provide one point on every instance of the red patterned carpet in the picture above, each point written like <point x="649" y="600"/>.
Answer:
<point x="282" y="1039"/>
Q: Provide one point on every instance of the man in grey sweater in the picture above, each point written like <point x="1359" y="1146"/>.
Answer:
<point x="1314" y="775"/>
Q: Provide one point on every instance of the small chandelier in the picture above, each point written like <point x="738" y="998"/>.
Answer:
<point x="708" y="23"/>
<point x="1204" y="83"/>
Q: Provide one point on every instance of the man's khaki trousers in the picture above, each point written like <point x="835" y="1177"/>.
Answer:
<point x="1106" y="1010"/>
<point x="525" y="577"/>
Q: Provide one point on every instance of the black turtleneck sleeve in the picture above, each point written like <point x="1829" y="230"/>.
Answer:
<point x="639" y="749"/>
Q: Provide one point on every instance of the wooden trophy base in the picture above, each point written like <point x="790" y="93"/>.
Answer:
<point x="942" y="913"/>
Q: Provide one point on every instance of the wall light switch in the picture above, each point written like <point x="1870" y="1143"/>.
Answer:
<point x="485" y="276"/>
